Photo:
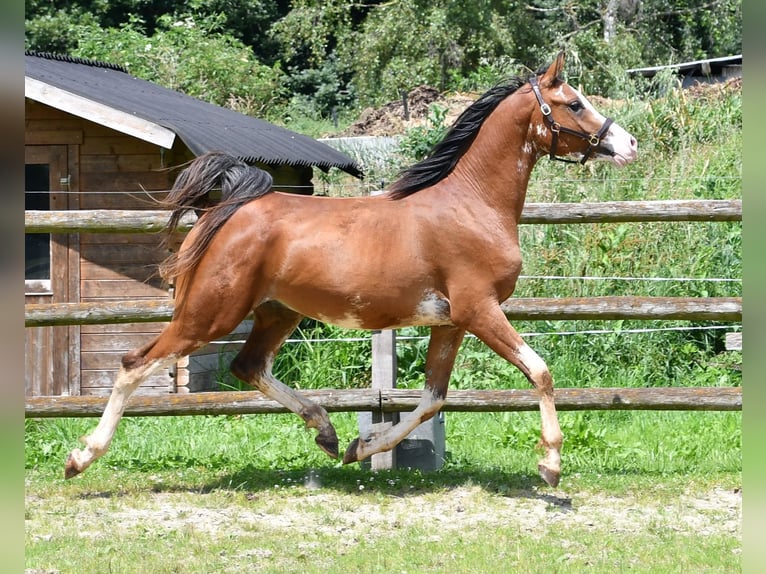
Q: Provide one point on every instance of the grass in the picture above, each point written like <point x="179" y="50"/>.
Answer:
<point x="400" y="545"/>
<point x="252" y="493"/>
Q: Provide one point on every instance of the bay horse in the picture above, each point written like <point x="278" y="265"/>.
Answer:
<point x="440" y="248"/>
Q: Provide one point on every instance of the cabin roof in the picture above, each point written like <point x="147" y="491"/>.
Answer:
<point x="108" y="95"/>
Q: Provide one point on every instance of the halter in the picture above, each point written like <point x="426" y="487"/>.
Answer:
<point x="594" y="140"/>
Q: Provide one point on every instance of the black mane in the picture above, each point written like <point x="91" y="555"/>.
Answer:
<point x="444" y="156"/>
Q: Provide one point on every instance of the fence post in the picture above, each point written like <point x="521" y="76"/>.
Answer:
<point x="424" y="447"/>
<point x="384" y="377"/>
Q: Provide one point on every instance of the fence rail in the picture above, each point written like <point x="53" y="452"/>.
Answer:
<point x="140" y="221"/>
<point x="532" y="308"/>
<point x="398" y="400"/>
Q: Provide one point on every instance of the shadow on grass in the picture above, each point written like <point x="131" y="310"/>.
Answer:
<point x="253" y="480"/>
<point x="351" y="481"/>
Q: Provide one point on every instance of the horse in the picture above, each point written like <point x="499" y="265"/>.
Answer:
<point x="439" y="248"/>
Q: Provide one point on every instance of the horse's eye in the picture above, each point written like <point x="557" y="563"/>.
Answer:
<point x="576" y="106"/>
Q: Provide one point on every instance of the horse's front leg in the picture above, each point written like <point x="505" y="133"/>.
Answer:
<point x="490" y="325"/>
<point x="442" y="350"/>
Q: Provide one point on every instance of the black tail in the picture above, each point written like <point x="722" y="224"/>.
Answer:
<point x="214" y="185"/>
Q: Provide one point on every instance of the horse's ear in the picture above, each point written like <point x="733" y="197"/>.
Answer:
<point x="552" y="75"/>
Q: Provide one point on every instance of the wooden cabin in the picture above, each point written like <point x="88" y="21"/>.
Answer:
<point x="98" y="138"/>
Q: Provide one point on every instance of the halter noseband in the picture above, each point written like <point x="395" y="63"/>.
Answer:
<point x="594" y="140"/>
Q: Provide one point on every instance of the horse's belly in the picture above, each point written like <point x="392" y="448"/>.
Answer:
<point x="359" y="313"/>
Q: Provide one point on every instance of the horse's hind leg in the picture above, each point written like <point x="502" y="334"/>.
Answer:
<point x="136" y="367"/>
<point x="272" y="325"/>
<point x="442" y="350"/>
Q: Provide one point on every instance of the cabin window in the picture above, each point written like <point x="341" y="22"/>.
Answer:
<point x="37" y="246"/>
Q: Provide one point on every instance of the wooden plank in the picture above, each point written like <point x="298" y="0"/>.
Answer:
<point x="398" y="400"/>
<point x="115" y="144"/>
<point x="106" y="312"/>
<point x="38" y="364"/>
<point x="105" y="379"/>
<point x="136" y="271"/>
<point x="634" y="211"/>
<point x="144" y="199"/>
<point x="579" y="399"/>
<point x="97" y="112"/>
<point x="73" y="202"/>
<point x="129" y="182"/>
<point x="114" y="341"/>
<point x="48" y="137"/>
<point x="93" y="240"/>
<point x="147" y="328"/>
<point x="101" y="360"/>
<point x="122" y="163"/>
<point x="127" y="288"/>
<point x="383" y="379"/>
<point x="140" y="253"/>
<point x="597" y="308"/>
<point x="152" y="392"/>
<point x="64" y="257"/>
<point x="125" y="221"/>
<point x="60" y="123"/>
<point x="734" y="341"/>
<point x="624" y="307"/>
<point x="39" y="111"/>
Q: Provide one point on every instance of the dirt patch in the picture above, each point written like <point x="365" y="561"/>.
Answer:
<point x="463" y="509"/>
<point x="713" y="91"/>
<point x="391" y="119"/>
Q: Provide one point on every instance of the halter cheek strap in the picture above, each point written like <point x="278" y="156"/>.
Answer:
<point x="594" y="139"/>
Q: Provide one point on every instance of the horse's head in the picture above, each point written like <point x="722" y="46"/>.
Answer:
<point x="567" y="124"/>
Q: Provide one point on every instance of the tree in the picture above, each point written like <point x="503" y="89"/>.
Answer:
<point x="688" y="29"/>
<point x="51" y="25"/>
<point x="337" y="53"/>
<point x="409" y="42"/>
<point x="192" y="56"/>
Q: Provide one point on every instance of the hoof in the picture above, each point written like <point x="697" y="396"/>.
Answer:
<point x="328" y="442"/>
<point x="549" y="475"/>
<point x="70" y="467"/>
<point x="351" y="454"/>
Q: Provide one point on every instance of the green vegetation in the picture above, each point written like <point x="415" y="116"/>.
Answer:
<point x="335" y="57"/>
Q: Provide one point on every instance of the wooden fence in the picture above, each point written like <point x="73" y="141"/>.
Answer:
<point x="382" y="398"/>
<point x="399" y="400"/>
<point x="128" y="221"/>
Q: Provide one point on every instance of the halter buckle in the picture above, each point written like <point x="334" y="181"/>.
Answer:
<point x="545" y="109"/>
<point x="594" y="140"/>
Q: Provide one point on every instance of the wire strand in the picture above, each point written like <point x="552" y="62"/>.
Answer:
<point x="615" y="278"/>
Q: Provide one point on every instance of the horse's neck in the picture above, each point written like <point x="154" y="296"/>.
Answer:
<point x="498" y="166"/>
